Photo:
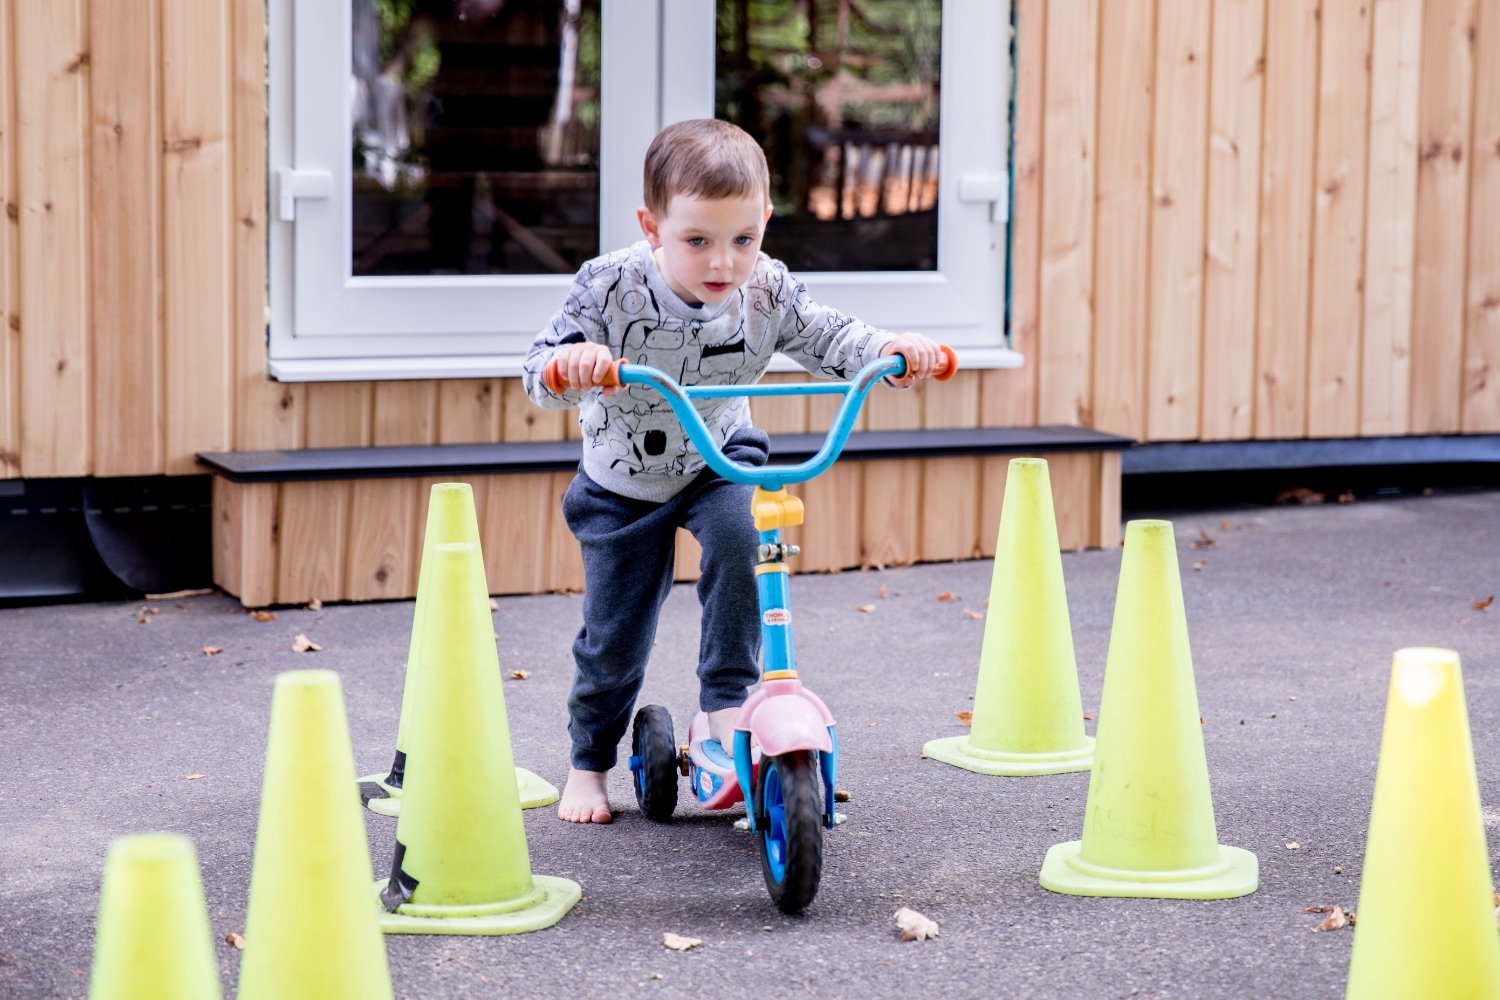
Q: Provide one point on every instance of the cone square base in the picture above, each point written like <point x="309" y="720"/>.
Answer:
<point x="958" y="751"/>
<point x="1239" y="875"/>
<point x="535" y="792"/>
<point x="559" y="895"/>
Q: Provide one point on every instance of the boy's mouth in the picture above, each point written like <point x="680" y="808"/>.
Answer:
<point x="716" y="286"/>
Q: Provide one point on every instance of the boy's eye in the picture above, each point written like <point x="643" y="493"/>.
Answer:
<point x="696" y="241"/>
<point x="743" y="240"/>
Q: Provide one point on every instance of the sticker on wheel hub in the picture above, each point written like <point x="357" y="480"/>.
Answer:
<point x="777" y="616"/>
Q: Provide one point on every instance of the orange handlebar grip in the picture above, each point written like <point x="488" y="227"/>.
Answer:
<point x="552" y="377"/>
<point x="950" y="364"/>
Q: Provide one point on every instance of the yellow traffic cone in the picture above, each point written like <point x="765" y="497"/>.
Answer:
<point x="1148" y="828"/>
<point x="1426" y="910"/>
<point x="451" y="517"/>
<point x="1028" y="715"/>
<point x="311" y="932"/>
<point x="461" y="864"/>
<point x="153" y="941"/>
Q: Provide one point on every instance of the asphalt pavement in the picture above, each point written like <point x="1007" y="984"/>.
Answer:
<point x="1294" y="613"/>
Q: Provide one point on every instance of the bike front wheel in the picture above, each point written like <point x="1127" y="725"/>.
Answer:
<point x="789" y="813"/>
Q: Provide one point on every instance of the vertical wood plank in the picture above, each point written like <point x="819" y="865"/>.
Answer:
<point x="830" y="537"/>
<point x="314" y="530"/>
<point x="1339" y="220"/>
<point x="781" y="414"/>
<point x="267" y="415"/>
<point x="1064" y="351"/>
<point x="1390" y="227"/>
<point x="516" y="526"/>
<point x="228" y="534"/>
<point x="949" y="523"/>
<point x="125" y="226"/>
<point x="892" y="502"/>
<point x="1008" y="396"/>
<point x="405" y="413"/>
<point x="1075" y="497"/>
<point x="1481" y="399"/>
<point x="258" y="540"/>
<point x="10" y="354"/>
<point x="468" y="410"/>
<point x="1179" y="167"/>
<point x="687" y="557"/>
<point x="523" y="420"/>
<point x="1448" y="34"/>
<point x="382" y="555"/>
<point x="1122" y="247"/>
<point x="1109" y="502"/>
<point x="1286" y="218"/>
<point x="339" y="414"/>
<point x="198" y="212"/>
<point x="954" y="403"/>
<point x="1238" y="71"/>
<point x="564" y="558"/>
<point x="52" y="182"/>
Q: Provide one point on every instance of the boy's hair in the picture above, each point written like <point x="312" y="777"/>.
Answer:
<point x="704" y="158"/>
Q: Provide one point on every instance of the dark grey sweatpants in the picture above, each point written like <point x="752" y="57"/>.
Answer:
<point x="628" y="561"/>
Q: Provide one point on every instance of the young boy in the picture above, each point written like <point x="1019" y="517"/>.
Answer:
<point x="698" y="300"/>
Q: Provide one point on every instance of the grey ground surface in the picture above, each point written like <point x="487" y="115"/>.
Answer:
<point x="102" y="719"/>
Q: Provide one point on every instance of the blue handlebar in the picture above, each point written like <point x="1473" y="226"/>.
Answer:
<point x="769" y="477"/>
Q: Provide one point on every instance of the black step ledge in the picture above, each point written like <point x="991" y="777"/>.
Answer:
<point x="564" y="456"/>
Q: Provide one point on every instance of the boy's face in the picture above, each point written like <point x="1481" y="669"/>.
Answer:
<point x="706" y="248"/>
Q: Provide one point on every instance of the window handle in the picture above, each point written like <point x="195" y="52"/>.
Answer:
<point x="993" y="188"/>
<point x="294" y="184"/>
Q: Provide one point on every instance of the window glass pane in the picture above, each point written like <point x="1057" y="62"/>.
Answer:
<point x="844" y="97"/>
<point x="475" y="136"/>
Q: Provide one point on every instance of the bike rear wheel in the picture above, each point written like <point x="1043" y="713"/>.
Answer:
<point x="789" y="811"/>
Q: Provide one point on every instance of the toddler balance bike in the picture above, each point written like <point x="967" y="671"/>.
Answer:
<point x="784" y="740"/>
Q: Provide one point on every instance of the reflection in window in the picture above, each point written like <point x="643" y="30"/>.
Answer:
<point x="475" y="136"/>
<point x="843" y="94"/>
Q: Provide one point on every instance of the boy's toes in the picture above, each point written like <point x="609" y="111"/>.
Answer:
<point x="601" y="814"/>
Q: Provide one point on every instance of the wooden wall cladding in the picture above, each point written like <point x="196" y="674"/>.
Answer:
<point x="1232" y="219"/>
<point x="358" y="540"/>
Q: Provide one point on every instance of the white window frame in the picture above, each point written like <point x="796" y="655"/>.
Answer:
<point x="328" y="325"/>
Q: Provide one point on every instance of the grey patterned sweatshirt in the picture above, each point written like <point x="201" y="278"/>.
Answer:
<point x="633" y="444"/>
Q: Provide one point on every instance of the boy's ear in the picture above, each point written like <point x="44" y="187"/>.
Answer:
<point x="647" y="219"/>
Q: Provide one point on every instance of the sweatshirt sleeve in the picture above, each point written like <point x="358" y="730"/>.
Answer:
<point x="828" y="343"/>
<point x="580" y="320"/>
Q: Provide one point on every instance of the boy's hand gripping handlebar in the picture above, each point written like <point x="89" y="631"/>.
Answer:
<point x="772" y="476"/>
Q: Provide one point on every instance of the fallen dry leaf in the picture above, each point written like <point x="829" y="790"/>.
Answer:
<point x="883" y="591"/>
<point x="144" y="620"/>
<point x="1089" y="717"/>
<point x="178" y="595"/>
<point x="238" y="940"/>
<point x="1202" y="721"/>
<point x="656" y="975"/>
<point x="519" y="675"/>
<point x="946" y="595"/>
<point x="840" y="795"/>
<point x="967" y="718"/>
<point x="914" y="926"/>
<point x="1484" y="605"/>
<point x="1202" y="561"/>
<point x="1204" y="541"/>
<point x="1299" y="494"/>
<point x="263" y="616"/>
<point x="1346" y="497"/>
<point x="1224" y="524"/>
<point x="1292" y="845"/>
<point x="302" y="644"/>
<point x="315" y="605"/>
<point x="212" y="650"/>
<point x="866" y="608"/>
<point x="194" y="777"/>
<point x="494" y="604"/>
<point x="677" y="942"/>
<point x="976" y="615"/>
<point x="1337" y="917"/>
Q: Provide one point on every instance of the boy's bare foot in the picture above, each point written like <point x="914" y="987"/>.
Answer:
<point x="584" y="798"/>
<point x="721" y="727"/>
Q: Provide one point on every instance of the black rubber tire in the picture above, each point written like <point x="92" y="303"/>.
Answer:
<point x="653" y="741"/>
<point x="801" y="793"/>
